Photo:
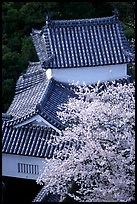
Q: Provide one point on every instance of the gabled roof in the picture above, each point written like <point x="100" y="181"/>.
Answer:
<point x="32" y="140"/>
<point x="29" y="140"/>
<point x="30" y="88"/>
<point x="57" y="93"/>
<point x="41" y="96"/>
<point x="35" y="94"/>
<point x="82" y="43"/>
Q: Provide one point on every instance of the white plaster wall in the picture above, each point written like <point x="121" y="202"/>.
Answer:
<point x="10" y="165"/>
<point x="88" y="75"/>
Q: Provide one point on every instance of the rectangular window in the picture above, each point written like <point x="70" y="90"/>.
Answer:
<point x="28" y="168"/>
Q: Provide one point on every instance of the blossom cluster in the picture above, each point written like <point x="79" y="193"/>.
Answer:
<point x="101" y="159"/>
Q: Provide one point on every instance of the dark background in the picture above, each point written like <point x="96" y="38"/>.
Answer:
<point x="17" y="190"/>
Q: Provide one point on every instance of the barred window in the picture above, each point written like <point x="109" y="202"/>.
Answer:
<point x="28" y="168"/>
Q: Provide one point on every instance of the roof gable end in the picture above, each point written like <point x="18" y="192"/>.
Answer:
<point x="82" y="43"/>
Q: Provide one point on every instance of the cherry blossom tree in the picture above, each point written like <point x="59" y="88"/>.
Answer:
<point x="100" y="163"/>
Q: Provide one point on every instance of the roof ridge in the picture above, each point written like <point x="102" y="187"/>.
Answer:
<point x="114" y="16"/>
<point x="66" y="43"/>
<point x="51" y="84"/>
<point x="35" y="73"/>
<point x="78" y="22"/>
<point x="30" y="78"/>
<point x="34" y="63"/>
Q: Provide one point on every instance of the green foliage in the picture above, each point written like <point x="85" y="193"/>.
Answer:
<point x="14" y="41"/>
<point x="7" y="90"/>
<point x="18" y="19"/>
<point x="28" y="52"/>
<point x="10" y="60"/>
<point x="10" y="20"/>
<point x="129" y="31"/>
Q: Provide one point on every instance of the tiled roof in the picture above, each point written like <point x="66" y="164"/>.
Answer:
<point x="35" y="94"/>
<point x="30" y="88"/>
<point x="54" y="94"/>
<point x="46" y="103"/>
<point x="43" y="196"/>
<point x="82" y="43"/>
<point x="29" y="140"/>
<point x="5" y="116"/>
<point x="57" y="93"/>
<point x="32" y="140"/>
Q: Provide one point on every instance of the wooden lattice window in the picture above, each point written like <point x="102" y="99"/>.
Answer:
<point x="28" y="168"/>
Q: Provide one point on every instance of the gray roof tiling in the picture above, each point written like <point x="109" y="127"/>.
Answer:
<point x="45" y="99"/>
<point x="35" y="94"/>
<point x="32" y="139"/>
<point x="30" y="88"/>
<point x="29" y="140"/>
<point x="57" y="93"/>
<point x="82" y="43"/>
<point x="6" y="116"/>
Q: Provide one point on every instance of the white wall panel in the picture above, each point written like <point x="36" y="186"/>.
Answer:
<point x="11" y="164"/>
<point x="88" y="74"/>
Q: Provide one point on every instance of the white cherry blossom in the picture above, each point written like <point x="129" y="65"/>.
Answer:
<point x="101" y="161"/>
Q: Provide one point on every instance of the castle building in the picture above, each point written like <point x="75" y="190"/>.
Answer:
<point x="82" y="51"/>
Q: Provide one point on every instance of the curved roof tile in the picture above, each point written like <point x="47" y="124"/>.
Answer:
<point x="82" y="43"/>
<point x="30" y="140"/>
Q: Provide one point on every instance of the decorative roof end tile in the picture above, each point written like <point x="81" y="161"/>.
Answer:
<point x="34" y="31"/>
<point x="47" y="20"/>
